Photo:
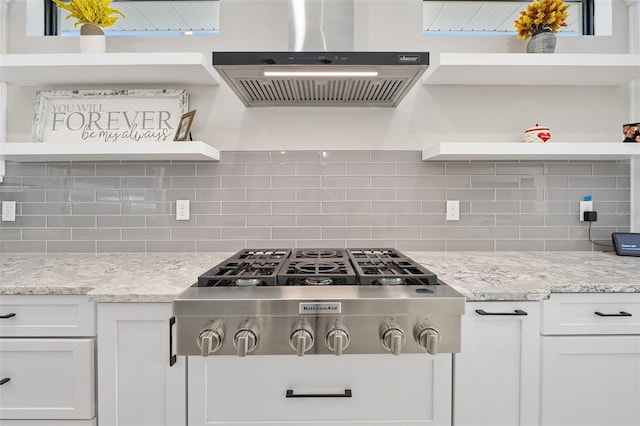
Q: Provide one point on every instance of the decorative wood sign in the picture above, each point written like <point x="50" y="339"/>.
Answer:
<point x="108" y="115"/>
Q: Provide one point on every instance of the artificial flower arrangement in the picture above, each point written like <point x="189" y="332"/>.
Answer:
<point x="540" y="16"/>
<point x="96" y="12"/>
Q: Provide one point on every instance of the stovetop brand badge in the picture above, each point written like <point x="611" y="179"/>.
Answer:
<point x="408" y="58"/>
<point x="320" y="308"/>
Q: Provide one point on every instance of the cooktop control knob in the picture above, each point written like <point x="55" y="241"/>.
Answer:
<point x="301" y="339"/>
<point x="245" y="339"/>
<point x="337" y="340"/>
<point x="393" y="338"/>
<point x="211" y="337"/>
<point x="428" y="337"/>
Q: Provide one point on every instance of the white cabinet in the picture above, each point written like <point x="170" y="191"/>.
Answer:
<point x="47" y="361"/>
<point x="48" y="379"/>
<point x="386" y="390"/>
<point x="591" y="360"/>
<point x="137" y="385"/>
<point x="497" y="371"/>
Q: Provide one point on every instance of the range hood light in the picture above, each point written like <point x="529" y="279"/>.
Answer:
<point x="320" y="73"/>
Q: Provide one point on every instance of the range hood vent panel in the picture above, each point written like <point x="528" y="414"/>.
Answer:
<point x="396" y="74"/>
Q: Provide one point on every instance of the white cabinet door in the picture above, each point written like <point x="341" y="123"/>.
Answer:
<point x="496" y="372"/>
<point x="46" y="379"/>
<point x="137" y="387"/>
<point x="384" y="390"/>
<point x="590" y="381"/>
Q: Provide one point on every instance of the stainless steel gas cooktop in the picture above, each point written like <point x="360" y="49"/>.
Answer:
<point x="317" y="301"/>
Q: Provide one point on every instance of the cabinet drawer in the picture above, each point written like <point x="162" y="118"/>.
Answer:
<point x="44" y="316"/>
<point x="385" y="389"/>
<point x="48" y="379"/>
<point x="611" y="313"/>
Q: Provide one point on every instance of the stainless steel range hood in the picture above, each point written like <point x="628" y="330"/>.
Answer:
<point x="321" y="68"/>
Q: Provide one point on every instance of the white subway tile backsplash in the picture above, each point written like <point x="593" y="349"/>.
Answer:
<point x="311" y="199"/>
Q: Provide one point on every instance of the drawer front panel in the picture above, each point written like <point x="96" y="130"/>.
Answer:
<point x="611" y="313"/>
<point x="364" y="389"/>
<point x="45" y="316"/>
<point x="48" y="379"/>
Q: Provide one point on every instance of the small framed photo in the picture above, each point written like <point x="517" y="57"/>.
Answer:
<point x="183" y="131"/>
<point x="631" y="132"/>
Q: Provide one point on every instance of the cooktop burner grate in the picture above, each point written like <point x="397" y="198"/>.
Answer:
<point x="242" y="272"/>
<point x="271" y="254"/>
<point x="322" y="271"/>
<point x="375" y="253"/>
<point x="319" y="266"/>
<point x="318" y="253"/>
<point x="393" y="272"/>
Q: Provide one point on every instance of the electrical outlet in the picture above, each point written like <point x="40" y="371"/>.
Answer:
<point x="8" y="211"/>
<point x="453" y="210"/>
<point x="585" y="206"/>
<point x="182" y="209"/>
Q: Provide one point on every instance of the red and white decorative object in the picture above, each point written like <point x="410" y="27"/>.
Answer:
<point x="537" y="134"/>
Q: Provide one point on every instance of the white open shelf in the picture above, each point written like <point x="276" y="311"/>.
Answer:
<point x="573" y="69"/>
<point x="109" y="151"/>
<point x="464" y="151"/>
<point x="191" y="68"/>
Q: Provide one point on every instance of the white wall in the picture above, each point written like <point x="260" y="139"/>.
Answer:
<point x="428" y="114"/>
<point x="634" y="47"/>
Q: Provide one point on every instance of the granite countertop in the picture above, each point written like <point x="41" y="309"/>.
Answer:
<point x="138" y="277"/>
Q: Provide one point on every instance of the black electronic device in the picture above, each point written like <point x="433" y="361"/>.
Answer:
<point x="626" y="243"/>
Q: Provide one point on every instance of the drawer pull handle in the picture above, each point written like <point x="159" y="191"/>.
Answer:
<point x="621" y="314"/>
<point x="12" y="314"/>
<point x="346" y="394"/>
<point x="5" y="380"/>
<point x="172" y="357"/>
<point x="515" y="312"/>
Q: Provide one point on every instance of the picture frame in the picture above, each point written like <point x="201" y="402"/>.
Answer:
<point x="631" y="132"/>
<point x="183" y="130"/>
<point x="84" y="116"/>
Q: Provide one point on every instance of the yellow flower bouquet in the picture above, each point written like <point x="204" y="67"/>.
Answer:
<point x="96" y="12"/>
<point x="540" y="16"/>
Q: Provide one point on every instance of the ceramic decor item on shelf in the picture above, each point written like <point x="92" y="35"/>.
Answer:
<point x="92" y="39"/>
<point x="92" y="16"/>
<point x="537" y="134"/>
<point x="542" y="42"/>
<point x="539" y="22"/>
